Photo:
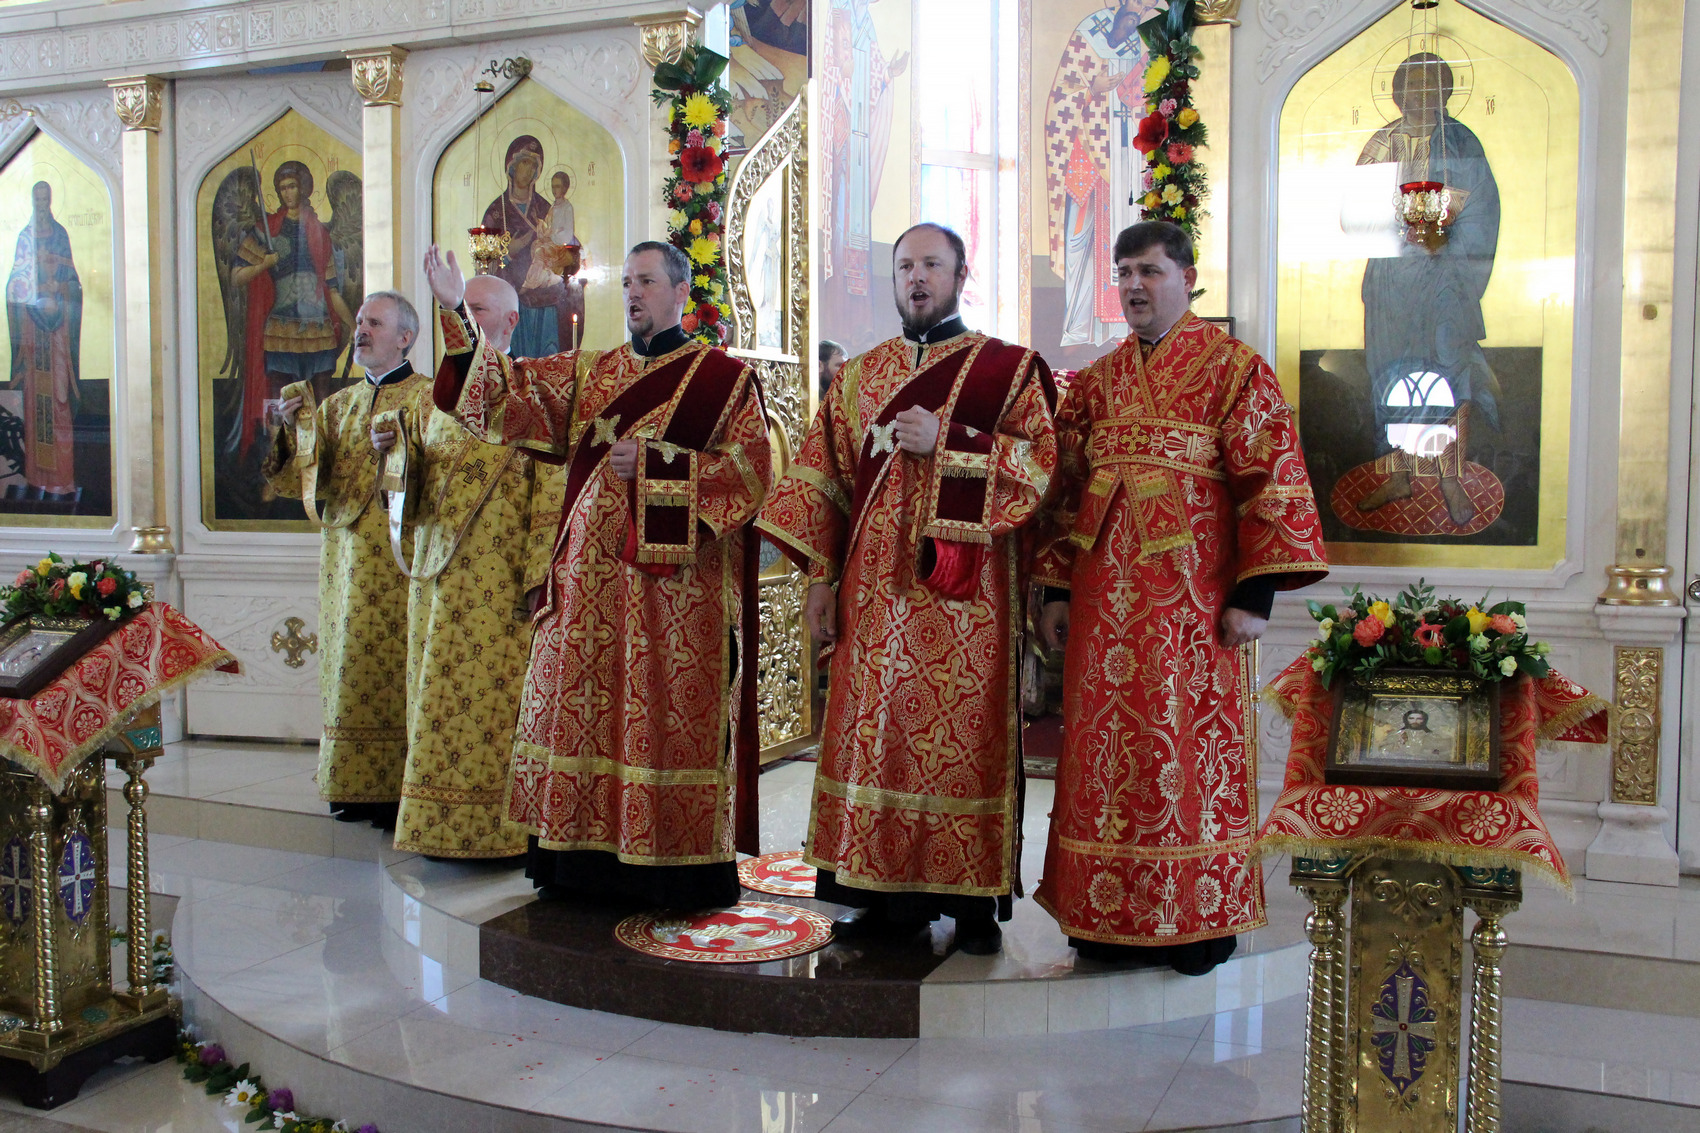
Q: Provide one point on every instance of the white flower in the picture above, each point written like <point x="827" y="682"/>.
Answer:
<point x="112" y="612"/>
<point x="1325" y="627"/>
<point x="135" y="599"/>
<point x="1522" y="622"/>
<point x="242" y="1093"/>
<point x="1317" y="663"/>
<point x="1479" y="643"/>
<point x="1541" y="648"/>
<point x="340" y="1126"/>
<point x="279" y="1116"/>
<point x="1508" y="665"/>
<point x="76" y="581"/>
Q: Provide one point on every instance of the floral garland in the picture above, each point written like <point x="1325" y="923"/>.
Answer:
<point x="55" y="588"/>
<point x="1364" y="634"/>
<point x="208" y="1065"/>
<point x="696" y="189"/>
<point x="1171" y="133"/>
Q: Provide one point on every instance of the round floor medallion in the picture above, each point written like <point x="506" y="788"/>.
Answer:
<point x="784" y="873"/>
<point x="747" y="933"/>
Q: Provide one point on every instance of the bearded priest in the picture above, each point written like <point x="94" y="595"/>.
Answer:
<point x="324" y="453"/>
<point x="635" y="756"/>
<point x="906" y="506"/>
<point x="1182" y="506"/>
<point x="482" y="522"/>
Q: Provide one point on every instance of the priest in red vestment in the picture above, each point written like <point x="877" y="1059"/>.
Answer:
<point x="635" y="754"/>
<point x="1182" y="505"/>
<point x="906" y="506"/>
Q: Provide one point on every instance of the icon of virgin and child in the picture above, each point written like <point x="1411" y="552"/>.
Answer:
<point x="543" y="252"/>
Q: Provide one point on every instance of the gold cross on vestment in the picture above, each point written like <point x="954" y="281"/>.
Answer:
<point x="605" y="427"/>
<point x="885" y="438"/>
<point x="476" y="472"/>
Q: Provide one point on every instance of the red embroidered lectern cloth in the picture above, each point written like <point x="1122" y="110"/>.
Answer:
<point x="153" y="653"/>
<point x="1486" y="829"/>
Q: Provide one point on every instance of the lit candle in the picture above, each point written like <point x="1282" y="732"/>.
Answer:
<point x="575" y="330"/>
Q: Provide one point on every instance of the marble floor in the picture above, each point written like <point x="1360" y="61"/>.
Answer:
<point x="296" y="937"/>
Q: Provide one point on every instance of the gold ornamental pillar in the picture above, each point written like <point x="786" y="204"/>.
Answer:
<point x="377" y="80"/>
<point x="1641" y="610"/>
<point x="664" y="38"/>
<point x="138" y="101"/>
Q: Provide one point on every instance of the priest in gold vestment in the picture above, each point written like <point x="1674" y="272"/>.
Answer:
<point x="482" y="524"/>
<point x="635" y="756"/>
<point x="1182" y="506"/>
<point x="325" y="454"/>
<point x="906" y="506"/>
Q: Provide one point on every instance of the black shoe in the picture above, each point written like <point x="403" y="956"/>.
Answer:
<point x="979" y="936"/>
<point x="1201" y="956"/>
<point x="1149" y="956"/>
<point x="867" y="924"/>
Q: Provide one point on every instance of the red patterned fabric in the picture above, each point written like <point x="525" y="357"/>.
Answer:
<point x="156" y="651"/>
<point x="1475" y="828"/>
<point x="1423" y="512"/>
<point x="1180" y="476"/>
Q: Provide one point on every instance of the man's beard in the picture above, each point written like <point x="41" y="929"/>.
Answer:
<point x="920" y="323"/>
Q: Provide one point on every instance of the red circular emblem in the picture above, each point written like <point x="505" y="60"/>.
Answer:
<point x="747" y="933"/>
<point x="784" y="873"/>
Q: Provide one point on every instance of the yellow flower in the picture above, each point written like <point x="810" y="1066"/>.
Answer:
<point x="700" y="280"/>
<point x="1171" y="194"/>
<point x="75" y="583"/>
<point x="1382" y="613"/>
<point x="700" y="111"/>
<point x="696" y="228"/>
<point x="1478" y="620"/>
<point x="1186" y="118"/>
<point x="677" y="220"/>
<point x="1161" y="171"/>
<point x="1179" y="214"/>
<point x="1156" y="73"/>
<point x="673" y="146"/>
<point x="703" y="251"/>
<point x="44" y="567"/>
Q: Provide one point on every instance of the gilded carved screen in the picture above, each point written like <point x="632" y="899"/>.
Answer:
<point x="767" y="261"/>
<point x="1432" y="377"/>
<point x="553" y="180"/>
<point x="279" y="275"/>
<point x="58" y="340"/>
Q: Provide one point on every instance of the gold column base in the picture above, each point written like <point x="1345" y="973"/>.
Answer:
<point x="151" y="541"/>
<point x="158" y="997"/>
<point x="1640" y="586"/>
<point x="33" y="1038"/>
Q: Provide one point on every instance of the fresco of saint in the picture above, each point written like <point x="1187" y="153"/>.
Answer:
<point x="44" y="318"/>
<point x="1092" y="169"/>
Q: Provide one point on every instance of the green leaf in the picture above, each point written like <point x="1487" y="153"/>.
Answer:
<point x="671" y="76"/>
<point x="709" y="65"/>
<point x="1457" y="629"/>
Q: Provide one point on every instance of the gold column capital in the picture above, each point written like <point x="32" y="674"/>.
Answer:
<point x="666" y="36"/>
<point x="137" y="99"/>
<point x="377" y="74"/>
<point x="1219" y="12"/>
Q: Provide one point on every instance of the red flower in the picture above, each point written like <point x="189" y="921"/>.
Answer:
<point x="1502" y="624"/>
<point x="1153" y="132"/>
<point x="700" y="164"/>
<point x="106" y="586"/>
<point x="714" y="211"/>
<point x="688" y="324"/>
<point x="720" y="128"/>
<point x="1368" y="632"/>
<point x="1179" y="153"/>
<point x="1430" y="637"/>
<point x="708" y="314"/>
<point x="57" y="590"/>
<point x="682" y="191"/>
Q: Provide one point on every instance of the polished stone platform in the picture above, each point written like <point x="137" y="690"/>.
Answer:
<point x="352" y="974"/>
